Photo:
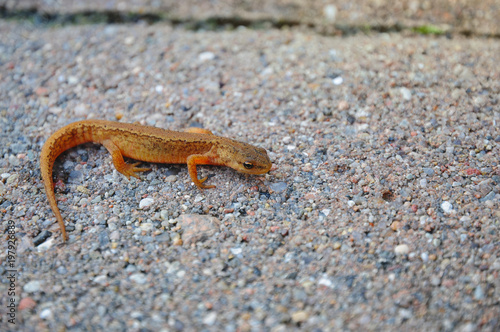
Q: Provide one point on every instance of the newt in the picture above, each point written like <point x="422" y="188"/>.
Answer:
<point x="150" y="144"/>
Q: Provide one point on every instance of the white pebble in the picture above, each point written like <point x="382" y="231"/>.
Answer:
<point x="266" y="72"/>
<point x="55" y="110"/>
<point x="210" y="319"/>
<point x="325" y="282"/>
<point x="236" y="251"/>
<point x="72" y="80"/>
<point x="338" y="80"/>
<point x="425" y="257"/>
<point x="46" y="314"/>
<point x="405" y="313"/>
<point x="146" y="202"/>
<point x="138" y="278"/>
<point x="46" y="245"/>
<point x="489" y="203"/>
<point x="405" y="93"/>
<point x="206" y="56"/>
<point x="81" y="110"/>
<point x="330" y="12"/>
<point x="402" y="249"/>
<point x="101" y="279"/>
<point x="129" y="40"/>
<point x="115" y="235"/>
<point x="147" y="226"/>
<point x="447" y="207"/>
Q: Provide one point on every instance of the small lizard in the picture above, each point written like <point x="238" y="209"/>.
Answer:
<point x="150" y="144"/>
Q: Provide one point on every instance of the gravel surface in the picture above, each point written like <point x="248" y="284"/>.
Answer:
<point x="381" y="211"/>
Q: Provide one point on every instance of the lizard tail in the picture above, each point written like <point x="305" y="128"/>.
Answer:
<point x="62" y="140"/>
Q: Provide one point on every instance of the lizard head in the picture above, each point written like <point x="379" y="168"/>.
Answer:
<point x="246" y="158"/>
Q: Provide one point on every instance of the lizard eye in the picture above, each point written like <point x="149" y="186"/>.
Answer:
<point x="247" y="165"/>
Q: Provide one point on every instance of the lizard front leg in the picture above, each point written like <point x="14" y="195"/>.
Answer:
<point x="199" y="159"/>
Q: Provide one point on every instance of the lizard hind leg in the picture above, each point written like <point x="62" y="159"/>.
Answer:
<point x="121" y="166"/>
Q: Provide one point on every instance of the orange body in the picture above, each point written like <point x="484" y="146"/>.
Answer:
<point x="150" y="144"/>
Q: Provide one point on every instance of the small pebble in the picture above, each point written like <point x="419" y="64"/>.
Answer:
<point x="343" y="105"/>
<point x="406" y="93"/>
<point x="164" y="214"/>
<point x="32" y="286"/>
<point x="489" y="204"/>
<point x="278" y="187"/>
<point x="325" y="282"/>
<point x="171" y="178"/>
<point x="428" y="171"/>
<point x="47" y="244"/>
<point x="101" y="280"/>
<point x="210" y="319"/>
<point x="299" y="316"/>
<point x="42" y="237"/>
<point x="435" y="281"/>
<point x="479" y="293"/>
<point x="236" y="251"/>
<point x="139" y="278"/>
<point x="61" y="270"/>
<point x="425" y="257"/>
<point x="12" y="178"/>
<point x="81" y="110"/>
<point x="26" y="303"/>
<point x="96" y="199"/>
<point x="146" y="202"/>
<point x="330" y="12"/>
<point x="206" y="56"/>
<point x="338" y="80"/>
<point x="489" y="197"/>
<point x="147" y="227"/>
<point x="447" y="207"/>
<point x="402" y="249"/>
<point x="46" y="314"/>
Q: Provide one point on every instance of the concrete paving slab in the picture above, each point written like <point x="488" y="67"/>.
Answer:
<point x="466" y="17"/>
